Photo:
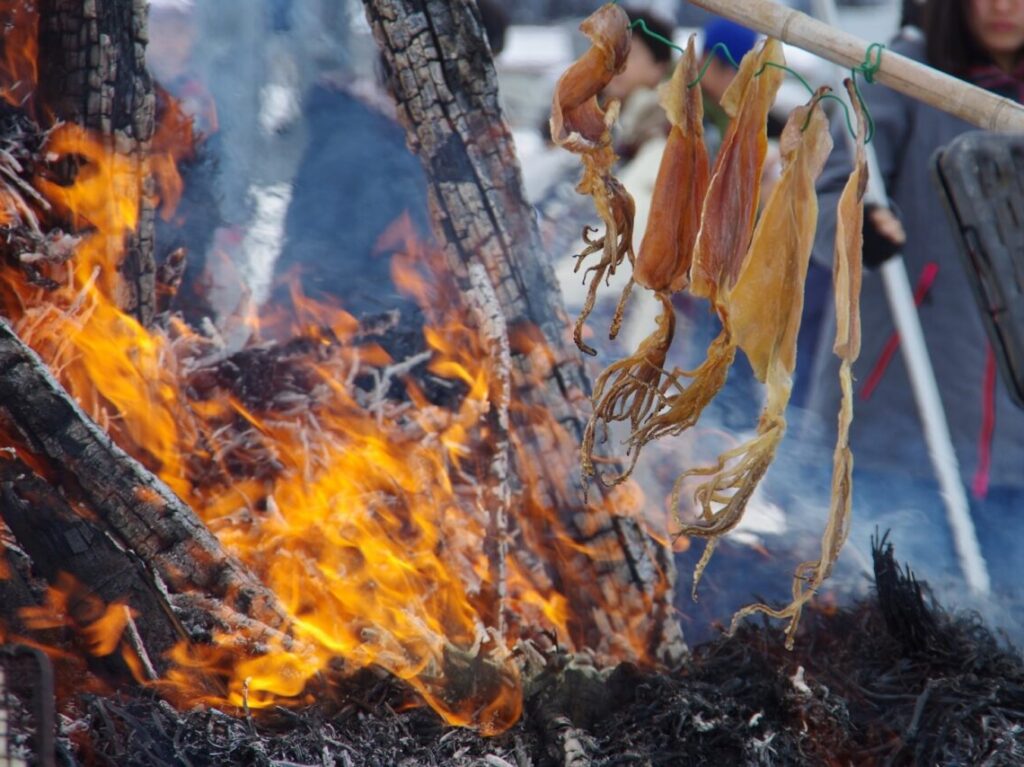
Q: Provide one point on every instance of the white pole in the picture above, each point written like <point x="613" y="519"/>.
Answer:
<point x="922" y="380"/>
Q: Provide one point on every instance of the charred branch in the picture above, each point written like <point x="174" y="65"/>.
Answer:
<point x="61" y="542"/>
<point x="93" y="73"/>
<point x="142" y="514"/>
<point x="495" y="494"/>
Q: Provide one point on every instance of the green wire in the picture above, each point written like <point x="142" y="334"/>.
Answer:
<point x="707" y="63"/>
<point x="797" y="75"/>
<point x="643" y="25"/>
<point x="868" y="69"/>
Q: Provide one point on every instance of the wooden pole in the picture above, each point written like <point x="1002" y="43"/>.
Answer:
<point x="968" y="102"/>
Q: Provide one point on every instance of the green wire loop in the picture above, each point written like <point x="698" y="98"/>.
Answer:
<point x="870" y="68"/>
<point x="643" y="26"/>
<point x="707" y="63"/>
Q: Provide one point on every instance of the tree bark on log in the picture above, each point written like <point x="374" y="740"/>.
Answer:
<point x="446" y="90"/>
<point x="92" y="71"/>
<point x="135" y="506"/>
<point x="59" y="540"/>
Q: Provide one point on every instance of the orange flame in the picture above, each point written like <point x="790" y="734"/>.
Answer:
<point x="68" y="603"/>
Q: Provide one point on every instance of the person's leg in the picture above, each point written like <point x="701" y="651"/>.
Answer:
<point x="999" y="519"/>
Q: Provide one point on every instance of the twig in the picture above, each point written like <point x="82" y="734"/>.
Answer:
<point x="495" y="495"/>
<point x="919" y="706"/>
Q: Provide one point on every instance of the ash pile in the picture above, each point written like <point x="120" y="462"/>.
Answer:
<point x="893" y="679"/>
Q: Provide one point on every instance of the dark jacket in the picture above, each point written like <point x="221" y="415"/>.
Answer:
<point x="357" y="178"/>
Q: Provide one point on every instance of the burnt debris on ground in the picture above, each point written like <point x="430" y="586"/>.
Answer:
<point x="891" y="680"/>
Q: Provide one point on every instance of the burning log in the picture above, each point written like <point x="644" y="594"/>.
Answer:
<point x="142" y="514"/>
<point x="858" y="689"/>
<point x="61" y="542"/>
<point x="448" y="100"/>
<point x="92" y="72"/>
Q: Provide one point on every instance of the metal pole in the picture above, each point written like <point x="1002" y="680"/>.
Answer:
<point x="922" y="379"/>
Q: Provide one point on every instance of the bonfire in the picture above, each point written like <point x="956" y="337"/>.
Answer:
<point x="295" y="535"/>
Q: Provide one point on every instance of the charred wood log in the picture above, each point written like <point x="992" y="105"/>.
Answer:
<point x="61" y="542"/>
<point x="18" y="588"/>
<point x="134" y="506"/>
<point x="92" y="71"/>
<point x="446" y="89"/>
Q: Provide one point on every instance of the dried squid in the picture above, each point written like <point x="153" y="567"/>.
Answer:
<point x="727" y="220"/>
<point x="846" y="280"/>
<point x="666" y="251"/>
<point x="762" y="312"/>
<point x="631" y="388"/>
<point x="580" y="124"/>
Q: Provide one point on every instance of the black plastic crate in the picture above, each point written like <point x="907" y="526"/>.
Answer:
<point x="981" y="177"/>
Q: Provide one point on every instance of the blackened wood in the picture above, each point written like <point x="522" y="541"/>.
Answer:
<point x="92" y="71"/>
<point x="495" y="491"/>
<point x="139" y="510"/>
<point x="18" y="588"/>
<point x="447" y="94"/>
<point x="60" y="541"/>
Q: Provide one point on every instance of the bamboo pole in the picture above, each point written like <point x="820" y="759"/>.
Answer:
<point x="968" y="102"/>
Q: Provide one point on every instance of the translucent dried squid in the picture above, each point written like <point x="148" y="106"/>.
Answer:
<point x="630" y="389"/>
<point x="846" y="280"/>
<point x="762" y="311"/>
<point x="581" y="125"/>
<point x="727" y="220"/>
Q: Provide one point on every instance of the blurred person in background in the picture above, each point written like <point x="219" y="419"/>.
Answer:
<point x="356" y="179"/>
<point x="186" y="119"/>
<point x="981" y="41"/>
<point x="169" y="55"/>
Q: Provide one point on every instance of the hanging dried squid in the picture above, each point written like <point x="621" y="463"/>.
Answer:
<point x="726" y="223"/>
<point x="762" y="312"/>
<point x="631" y="389"/>
<point x="846" y="281"/>
<point x="666" y="251"/>
<point x="580" y="124"/>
